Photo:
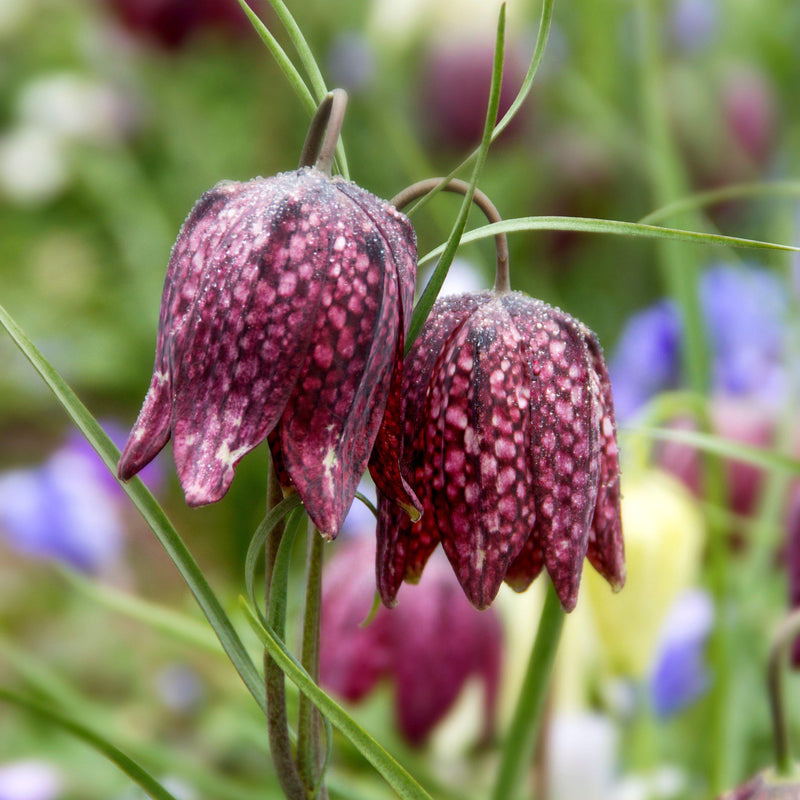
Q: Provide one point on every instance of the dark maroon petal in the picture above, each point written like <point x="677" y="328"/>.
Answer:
<point x="197" y="236"/>
<point x="251" y="324"/>
<point x="403" y="549"/>
<point x="564" y="441"/>
<point x="384" y="462"/>
<point x="477" y="441"/>
<point x="332" y="419"/>
<point x="606" y="551"/>
<point x="793" y="561"/>
<point x="151" y="431"/>
<point x="353" y="656"/>
<point x="438" y="641"/>
<point x="527" y="565"/>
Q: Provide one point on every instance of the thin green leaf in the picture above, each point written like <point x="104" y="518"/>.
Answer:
<point x="737" y="191"/>
<point x="368" y="503"/>
<point x="149" y="508"/>
<point x="394" y="774"/>
<point x="279" y="585"/>
<point x="171" y="623"/>
<point x="426" y="301"/>
<point x="51" y="689"/>
<point x="757" y="456"/>
<point x="607" y="226"/>
<point x="256" y="548"/>
<point x="130" y="767"/>
<point x="527" y="84"/>
<point x="284" y="62"/>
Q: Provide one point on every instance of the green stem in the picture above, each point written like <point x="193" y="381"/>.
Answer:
<point x="785" y="635"/>
<point x="525" y="723"/>
<point x="309" y="744"/>
<point x="277" y="550"/>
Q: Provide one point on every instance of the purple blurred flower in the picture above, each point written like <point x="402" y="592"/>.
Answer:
<point x="430" y="644"/>
<point x="29" y="779"/>
<point x="693" y="23"/>
<point x="351" y="62"/>
<point x="680" y="675"/>
<point x="646" y="359"/>
<point x="171" y="23"/>
<point x="67" y="509"/>
<point x="745" y="309"/>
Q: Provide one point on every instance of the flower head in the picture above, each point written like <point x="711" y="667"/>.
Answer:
<point x="431" y="644"/>
<point x="509" y="442"/>
<point x="284" y="310"/>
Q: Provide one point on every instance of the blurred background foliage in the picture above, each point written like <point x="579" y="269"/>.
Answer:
<point x="115" y="115"/>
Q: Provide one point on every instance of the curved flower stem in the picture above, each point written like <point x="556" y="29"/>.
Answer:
<point x="787" y="632"/>
<point x="420" y="189"/>
<point x="310" y="756"/>
<point x="280" y="744"/>
<point x="319" y="147"/>
<point x="525" y="723"/>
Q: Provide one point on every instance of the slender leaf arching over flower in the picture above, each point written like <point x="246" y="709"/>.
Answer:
<point x="285" y="307"/>
<point x="509" y="441"/>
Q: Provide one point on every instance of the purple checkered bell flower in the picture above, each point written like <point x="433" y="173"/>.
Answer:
<point x="285" y="308"/>
<point x="509" y="441"/>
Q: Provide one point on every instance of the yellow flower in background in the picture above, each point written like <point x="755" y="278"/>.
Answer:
<point x="664" y="538"/>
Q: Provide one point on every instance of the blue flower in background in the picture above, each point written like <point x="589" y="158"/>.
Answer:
<point x="646" y="359"/>
<point x="680" y="675"/>
<point x="694" y="23"/>
<point x="745" y="310"/>
<point x="30" y="779"/>
<point x="67" y="509"/>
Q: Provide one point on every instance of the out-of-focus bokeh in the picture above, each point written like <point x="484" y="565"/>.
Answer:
<point x="115" y="116"/>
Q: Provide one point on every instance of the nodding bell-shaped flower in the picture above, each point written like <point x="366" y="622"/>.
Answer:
<point x="509" y="441"/>
<point x="284" y="312"/>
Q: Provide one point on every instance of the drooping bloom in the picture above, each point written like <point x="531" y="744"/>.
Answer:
<point x="509" y="442"/>
<point x="430" y="645"/>
<point x="284" y="311"/>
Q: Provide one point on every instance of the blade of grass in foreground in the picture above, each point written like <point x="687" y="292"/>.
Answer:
<point x="736" y="191"/>
<point x="720" y="446"/>
<point x="607" y="226"/>
<point x="149" y="508"/>
<point x="289" y="70"/>
<point x="130" y="767"/>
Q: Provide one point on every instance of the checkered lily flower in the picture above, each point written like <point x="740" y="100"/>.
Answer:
<point x="509" y="441"/>
<point x="284" y="312"/>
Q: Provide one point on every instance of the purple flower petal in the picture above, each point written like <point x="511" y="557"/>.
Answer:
<point x="283" y="313"/>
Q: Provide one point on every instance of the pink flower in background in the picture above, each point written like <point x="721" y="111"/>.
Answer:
<point x="429" y="645"/>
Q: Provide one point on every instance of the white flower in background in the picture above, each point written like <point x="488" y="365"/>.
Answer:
<point x="581" y="756"/>
<point x="32" y="166"/>
<point x="398" y="22"/>
<point x="30" y="779"/>
<point x="77" y="107"/>
<point x="52" y="112"/>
